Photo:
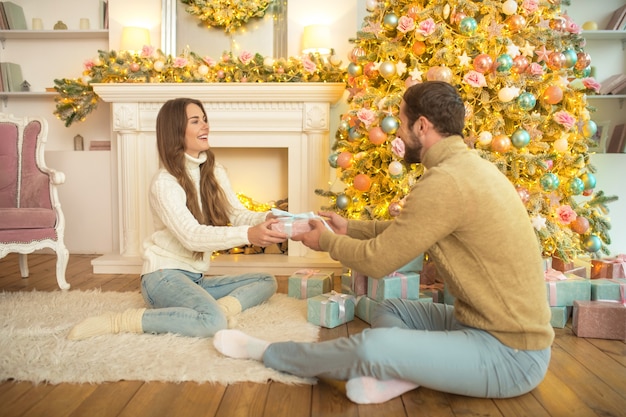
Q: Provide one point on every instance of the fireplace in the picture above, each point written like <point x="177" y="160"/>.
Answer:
<point x="293" y="116"/>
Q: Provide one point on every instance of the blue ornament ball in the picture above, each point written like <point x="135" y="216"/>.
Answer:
<point x="344" y="126"/>
<point x="582" y="73"/>
<point x="390" y="21"/>
<point x="504" y="63"/>
<point x="576" y="186"/>
<point x="589" y="128"/>
<point x="520" y="138"/>
<point x="354" y="70"/>
<point x="549" y="181"/>
<point x="589" y="180"/>
<point x="355" y="134"/>
<point x="342" y="201"/>
<point x="570" y="58"/>
<point x="592" y="243"/>
<point x="468" y="25"/>
<point x="332" y="159"/>
<point x="389" y="125"/>
<point x="526" y="101"/>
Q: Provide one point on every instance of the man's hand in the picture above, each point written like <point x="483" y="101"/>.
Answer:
<point x="311" y="239"/>
<point x="335" y="221"/>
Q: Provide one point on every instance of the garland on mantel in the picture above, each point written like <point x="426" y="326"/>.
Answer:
<point x="77" y="99"/>
<point x="227" y="14"/>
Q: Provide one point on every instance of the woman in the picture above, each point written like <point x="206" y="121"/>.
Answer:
<point x="195" y="213"/>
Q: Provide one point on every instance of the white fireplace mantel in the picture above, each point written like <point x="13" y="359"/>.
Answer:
<point x="294" y="116"/>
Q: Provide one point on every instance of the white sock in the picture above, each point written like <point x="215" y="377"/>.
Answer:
<point x="368" y="390"/>
<point x="237" y="344"/>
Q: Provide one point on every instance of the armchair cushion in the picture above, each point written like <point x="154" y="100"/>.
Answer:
<point x="26" y="218"/>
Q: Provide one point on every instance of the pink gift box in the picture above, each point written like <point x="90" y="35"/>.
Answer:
<point x="291" y="227"/>
<point x="599" y="320"/>
<point x="609" y="267"/>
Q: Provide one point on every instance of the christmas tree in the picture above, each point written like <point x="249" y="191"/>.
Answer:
<point x="522" y="71"/>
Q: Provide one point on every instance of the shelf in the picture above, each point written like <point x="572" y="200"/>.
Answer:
<point x="607" y="97"/>
<point x="5" y="95"/>
<point x="604" y="34"/>
<point x="53" y="34"/>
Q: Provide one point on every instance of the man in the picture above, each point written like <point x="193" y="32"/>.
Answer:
<point x="495" y="341"/>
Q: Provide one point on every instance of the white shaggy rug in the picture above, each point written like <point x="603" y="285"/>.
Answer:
<point x="33" y="344"/>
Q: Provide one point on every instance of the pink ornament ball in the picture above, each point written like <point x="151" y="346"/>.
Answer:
<point x="482" y="63"/>
<point x="377" y="136"/>
<point x="344" y="160"/>
<point x="439" y="73"/>
<point x="501" y="143"/>
<point x="523" y="193"/>
<point x="552" y="95"/>
<point x="362" y="182"/>
<point x="580" y="225"/>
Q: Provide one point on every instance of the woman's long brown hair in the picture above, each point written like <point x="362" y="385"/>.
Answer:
<point x="171" y="124"/>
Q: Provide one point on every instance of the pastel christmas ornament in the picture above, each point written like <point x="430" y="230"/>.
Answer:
<point x="560" y="145"/>
<point x="552" y="95"/>
<point x="377" y="136"/>
<point x="342" y="201"/>
<point x="387" y="69"/>
<point x="504" y="62"/>
<point x="583" y="60"/>
<point x="556" y="61"/>
<point x="589" y="128"/>
<point x="516" y="22"/>
<point x="332" y="159"/>
<point x="523" y="193"/>
<point x="390" y="21"/>
<point x="592" y="243"/>
<point x="418" y="47"/>
<point x="344" y="126"/>
<point x="362" y="182"/>
<point x="395" y="168"/>
<point x="439" y="73"/>
<point x="520" y="138"/>
<point x="390" y="124"/>
<point x="468" y="25"/>
<point x="356" y="53"/>
<point x="549" y="181"/>
<point x="344" y="160"/>
<point x="371" y="5"/>
<point x="589" y="180"/>
<point x="520" y="64"/>
<point x="576" y="186"/>
<point x="507" y="94"/>
<point x="501" y="143"/>
<point x="354" y="70"/>
<point x="482" y="63"/>
<point x="590" y="25"/>
<point x="526" y="101"/>
<point x="355" y="133"/>
<point x="580" y="225"/>
<point x="509" y="7"/>
<point x="485" y="138"/>
<point x="570" y="58"/>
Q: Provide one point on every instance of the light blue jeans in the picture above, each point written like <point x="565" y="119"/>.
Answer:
<point x="185" y="303"/>
<point x="422" y="343"/>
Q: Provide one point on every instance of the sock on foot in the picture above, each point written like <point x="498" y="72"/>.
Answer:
<point x="231" y="307"/>
<point x="237" y="344"/>
<point x="368" y="390"/>
<point x="108" y="323"/>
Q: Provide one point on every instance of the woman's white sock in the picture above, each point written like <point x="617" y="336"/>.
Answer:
<point x="369" y="390"/>
<point x="237" y="344"/>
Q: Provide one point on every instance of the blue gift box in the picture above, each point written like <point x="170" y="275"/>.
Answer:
<point x="564" y="289"/>
<point x="559" y="316"/>
<point x="353" y="283"/>
<point x="365" y="307"/>
<point x="308" y="283"/>
<point x="416" y="265"/>
<point x="397" y="285"/>
<point x="331" y="309"/>
<point x="608" y="289"/>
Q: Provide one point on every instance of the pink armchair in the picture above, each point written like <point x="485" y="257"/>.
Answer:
<point x="30" y="211"/>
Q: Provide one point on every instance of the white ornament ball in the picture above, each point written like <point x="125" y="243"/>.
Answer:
<point x="268" y="61"/>
<point x="203" y="70"/>
<point x="85" y="79"/>
<point x="507" y="94"/>
<point x="158" y="65"/>
<point x="395" y="168"/>
<point x="484" y="138"/>
<point x="560" y="145"/>
<point x="509" y="7"/>
<point x="371" y="5"/>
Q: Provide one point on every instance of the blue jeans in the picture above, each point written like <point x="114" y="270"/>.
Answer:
<point x="185" y="303"/>
<point x="422" y="343"/>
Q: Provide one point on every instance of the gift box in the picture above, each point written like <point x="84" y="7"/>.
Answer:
<point x="415" y="265"/>
<point x="434" y="291"/>
<point x="609" y="267"/>
<point x="307" y="283"/>
<point x="396" y="285"/>
<point x="448" y="298"/>
<point x="564" y="289"/>
<point x="425" y="298"/>
<point x="290" y="226"/>
<point x="354" y="283"/>
<point x="364" y="308"/>
<point x="599" y="320"/>
<point x="581" y="271"/>
<point x="604" y="289"/>
<point x="561" y="265"/>
<point x="547" y="263"/>
<point x="559" y="316"/>
<point x="330" y="310"/>
<point x="585" y="262"/>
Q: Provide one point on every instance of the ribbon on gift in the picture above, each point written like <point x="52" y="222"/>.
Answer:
<point x="340" y="299"/>
<point x="299" y="216"/>
<point x="552" y="276"/>
<point x="304" y="280"/>
<point x="619" y="262"/>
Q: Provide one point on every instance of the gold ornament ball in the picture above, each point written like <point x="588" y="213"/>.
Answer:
<point x="501" y="143"/>
<point x="387" y="69"/>
<point x="418" y="47"/>
<point x="439" y="73"/>
<point x="516" y="22"/>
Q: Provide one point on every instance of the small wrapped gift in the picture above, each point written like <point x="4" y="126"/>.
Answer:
<point x="434" y="291"/>
<point x="425" y="298"/>
<point x="396" y="285"/>
<point x="415" y="265"/>
<point x="294" y="224"/>
<point x="561" y="265"/>
<point x="563" y="289"/>
<point x="609" y="267"/>
<point x="307" y="283"/>
<point x="585" y="262"/>
<point x="448" y="298"/>
<point x="599" y="319"/>
<point x="364" y="308"/>
<point x="581" y="271"/>
<point x="331" y="309"/>
<point x="354" y="283"/>
<point x="604" y="289"/>
<point x="547" y="263"/>
<point x="560" y="315"/>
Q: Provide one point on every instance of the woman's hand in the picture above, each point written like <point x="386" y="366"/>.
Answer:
<point x="261" y="234"/>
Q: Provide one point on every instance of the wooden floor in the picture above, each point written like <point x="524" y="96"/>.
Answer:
<point x="587" y="377"/>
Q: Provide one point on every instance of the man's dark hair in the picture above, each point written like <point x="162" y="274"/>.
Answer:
<point x="437" y="101"/>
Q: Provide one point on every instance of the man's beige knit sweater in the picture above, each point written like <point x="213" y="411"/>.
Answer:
<point x="470" y="219"/>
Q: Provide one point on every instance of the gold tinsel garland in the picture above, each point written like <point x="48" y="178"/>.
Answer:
<point x="227" y="14"/>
